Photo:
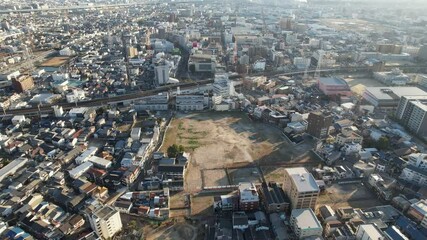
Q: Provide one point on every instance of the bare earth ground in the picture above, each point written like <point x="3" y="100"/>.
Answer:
<point x="55" y="61"/>
<point x="249" y="174"/>
<point x="177" y="231"/>
<point x="219" y="180"/>
<point x="229" y="140"/>
<point x="348" y="195"/>
<point x="357" y="25"/>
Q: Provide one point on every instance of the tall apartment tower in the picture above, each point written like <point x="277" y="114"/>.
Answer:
<point x="301" y="188"/>
<point x="318" y="124"/>
<point x="106" y="222"/>
<point x="162" y="74"/>
<point x="412" y="112"/>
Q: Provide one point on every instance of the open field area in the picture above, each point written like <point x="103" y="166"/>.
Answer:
<point x="352" y="195"/>
<point x="249" y="174"/>
<point x="177" y="231"/>
<point x="221" y="178"/>
<point x="219" y="141"/>
<point x="357" y="25"/>
<point x="55" y="62"/>
<point x="358" y="84"/>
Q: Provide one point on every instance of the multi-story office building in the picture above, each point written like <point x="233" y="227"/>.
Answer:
<point x="301" y="188"/>
<point x="318" y="124"/>
<point x="202" y="63"/>
<point x="305" y="223"/>
<point x="248" y="197"/>
<point x="23" y="83"/>
<point x="106" y="222"/>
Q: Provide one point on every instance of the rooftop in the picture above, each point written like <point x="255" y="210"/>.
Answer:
<point x="389" y="93"/>
<point x="371" y="231"/>
<point x="105" y="212"/>
<point x="302" y="179"/>
<point x="306" y="218"/>
<point x="332" y="81"/>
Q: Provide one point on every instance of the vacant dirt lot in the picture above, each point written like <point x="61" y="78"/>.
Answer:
<point x="353" y="195"/>
<point x="229" y="140"/>
<point x="176" y="231"/>
<point x="250" y="174"/>
<point x="220" y="178"/>
<point x="55" y="62"/>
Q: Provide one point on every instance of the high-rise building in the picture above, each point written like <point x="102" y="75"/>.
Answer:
<point x="106" y="222"/>
<point x="412" y="111"/>
<point x="301" y="188"/>
<point x="23" y="83"/>
<point x="318" y="124"/>
<point x="162" y="74"/>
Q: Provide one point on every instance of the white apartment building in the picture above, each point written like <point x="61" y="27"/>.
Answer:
<point x="190" y="102"/>
<point x="161" y="73"/>
<point x="305" y="223"/>
<point x="159" y="102"/>
<point x="369" y="232"/>
<point x="416" y="170"/>
<point x="106" y="222"/>
<point x="301" y="188"/>
<point x="222" y="86"/>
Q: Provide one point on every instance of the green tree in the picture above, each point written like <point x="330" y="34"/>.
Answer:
<point x="174" y="150"/>
<point x="181" y="149"/>
<point x="383" y="143"/>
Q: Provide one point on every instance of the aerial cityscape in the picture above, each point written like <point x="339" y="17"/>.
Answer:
<point x="213" y="119"/>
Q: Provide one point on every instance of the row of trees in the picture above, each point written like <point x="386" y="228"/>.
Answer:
<point x="174" y="150"/>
